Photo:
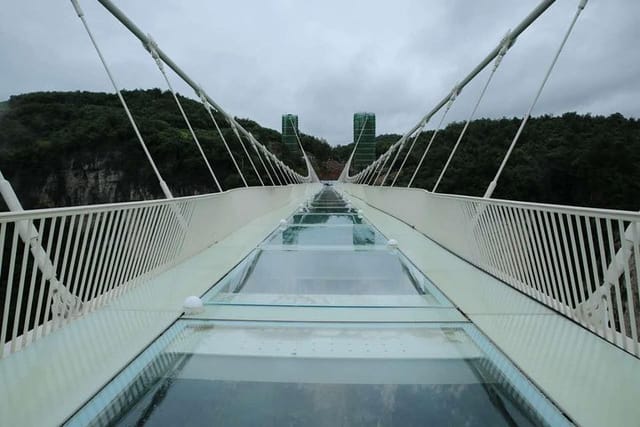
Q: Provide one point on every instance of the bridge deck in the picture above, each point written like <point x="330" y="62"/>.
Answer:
<point x="589" y="378"/>
<point x="80" y="358"/>
<point x="325" y="305"/>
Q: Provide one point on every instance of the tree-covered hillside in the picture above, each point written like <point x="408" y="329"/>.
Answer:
<point x="572" y="159"/>
<point x="73" y="148"/>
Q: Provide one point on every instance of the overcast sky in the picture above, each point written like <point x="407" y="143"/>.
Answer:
<point x="326" y="59"/>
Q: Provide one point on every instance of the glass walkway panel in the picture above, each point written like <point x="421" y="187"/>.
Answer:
<point x="302" y="332"/>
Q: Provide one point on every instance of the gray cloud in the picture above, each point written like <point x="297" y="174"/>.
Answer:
<point x="325" y="60"/>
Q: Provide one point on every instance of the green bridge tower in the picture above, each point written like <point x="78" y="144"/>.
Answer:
<point x="289" y="130"/>
<point x="364" y="128"/>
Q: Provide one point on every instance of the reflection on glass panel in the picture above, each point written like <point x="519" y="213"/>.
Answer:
<point x="328" y="272"/>
<point x="329" y="219"/>
<point x="192" y="380"/>
<point x="326" y="277"/>
<point x="334" y="209"/>
<point x="356" y="234"/>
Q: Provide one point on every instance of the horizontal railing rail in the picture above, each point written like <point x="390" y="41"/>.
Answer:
<point x="581" y="262"/>
<point x="58" y="264"/>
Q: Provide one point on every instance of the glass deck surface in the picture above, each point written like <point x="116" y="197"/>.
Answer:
<point x="203" y="373"/>
<point x="326" y="219"/>
<point x="322" y="373"/>
<point x="329" y="234"/>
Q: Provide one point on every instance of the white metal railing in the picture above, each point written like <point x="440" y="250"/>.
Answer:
<point x="581" y="262"/>
<point x="78" y="259"/>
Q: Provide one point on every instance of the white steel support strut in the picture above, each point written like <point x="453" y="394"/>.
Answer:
<point x="137" y="32"/>
<point x="517" y="30"/>
<point x="507" y="42"/>
<point x="256" y="146"/>
<point x="152" y="47"/>
<point x="207" y="107"/>
<point x="235" y="131"/>
<point x="492" y="185"/>
<point x="63" y="302"/>
<point x="452" y="98"/>
<point x="163" y="184"/>
<point x="406" y="157"/>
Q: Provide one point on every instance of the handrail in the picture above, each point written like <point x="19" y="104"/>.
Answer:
<point x="578" y="210"/>
<point x="558" y="255"/>
<point x="66" y="210"/>
<point x="98" y="252"/>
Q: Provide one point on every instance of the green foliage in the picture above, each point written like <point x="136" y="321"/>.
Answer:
<point x="71" y="148"/>
<point x="571" y="159"/>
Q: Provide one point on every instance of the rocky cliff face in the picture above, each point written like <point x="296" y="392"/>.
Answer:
<point x="75" y="182"/>
<point x="83" y="184"/>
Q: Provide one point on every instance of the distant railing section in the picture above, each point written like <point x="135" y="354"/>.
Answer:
<point x="581" y="262"/>
<point x="58" y="264"/>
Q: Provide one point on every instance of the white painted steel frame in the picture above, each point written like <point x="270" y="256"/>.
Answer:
<point x="558" y="255"/>
<point x="98" y="252"/>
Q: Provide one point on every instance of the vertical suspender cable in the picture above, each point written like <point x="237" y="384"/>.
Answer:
<point x="254" y="144"/>
<point x="163" y="184"/>
<point x="517" y="30"/>
<point x="233" y="126"/>
<point x="285" y="171"/>
<point x="374" y="170"/>
<point x="357" y="142"/>
<point x="290" y="173"/>
<point x="507" y="42"/>
<point x="268" y="156"/>
<point x="493" y="183"/>
<point x="304" y="153"/>
<point x="210" y="103"/>
<point x="452" y="98"/>
<point x="152" y="48"/>
<point x="386" y="159"/>
<point x="415" y="138"/>
<point x="224" y="141"/>
<point x="280" y="169"/>
<point x="393" y="162"/>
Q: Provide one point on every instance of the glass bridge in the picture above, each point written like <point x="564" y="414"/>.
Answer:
<point x="325" y="323"/>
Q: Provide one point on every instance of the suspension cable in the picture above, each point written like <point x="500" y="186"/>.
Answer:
<point x="517" y="30"/>
<point x="235" y="130"/>
<point x="353" y="153"/>
<point x="400" y="143"/>
<point x="163" y="184"/>
<point x="151" y="46"/>
<point x="360" y="175"/>
<point x="493" y="183"/>
<point x="365" y="177"/>
<point x="279" y="168"/>
<point x="304" y="154"/>
<point x="507" y="42"/>
<point x="205" y="103"/>
<point x="283" y="172"/>
<point x="415" y="138"/>
<point x="210" y="103"/>
<point x="372" y="176"/>
<point x="386" y="159"/>
<point x="290" y="173"/>
<point x="452" y="98"/>
<point x="255" y="147"/>
<point x="268" y="155"/>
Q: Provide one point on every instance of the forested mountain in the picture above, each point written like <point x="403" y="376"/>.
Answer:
<point x="572" y="159"/>
<point x="73" y="148"/>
